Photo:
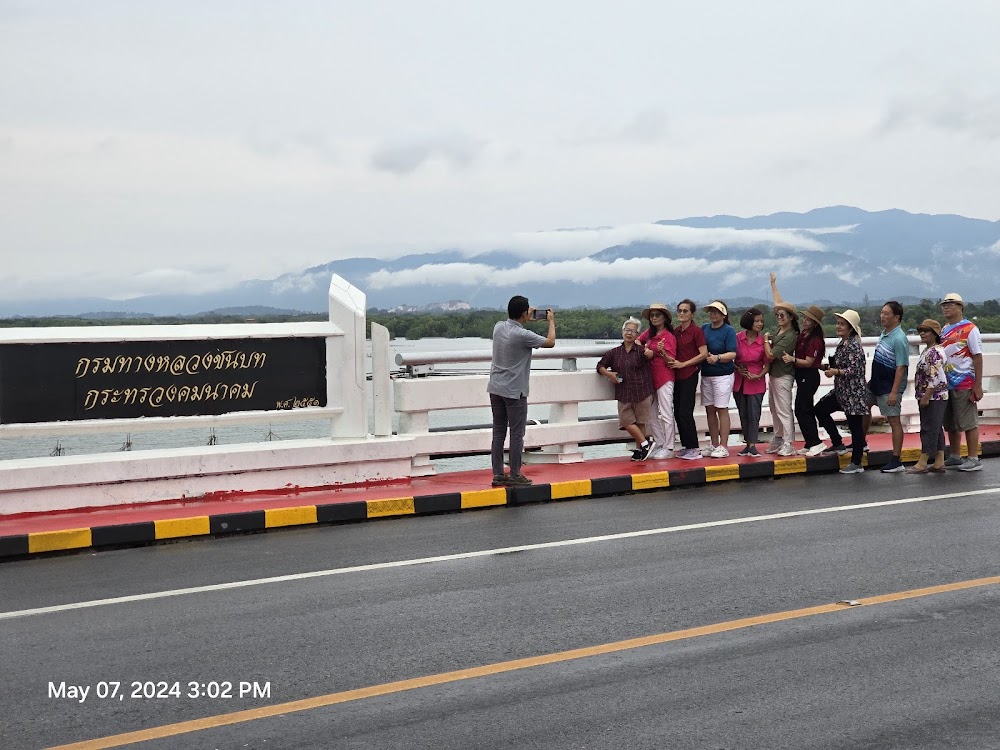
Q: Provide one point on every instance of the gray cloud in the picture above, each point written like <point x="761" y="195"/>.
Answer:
<point x="458" y="150"/>
<point x="954" y="110"/>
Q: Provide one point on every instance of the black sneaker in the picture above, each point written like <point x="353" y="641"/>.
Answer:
<point x="518" y="480"/>
<point x="895" y="466"/>
<point x="645" y="449"/>
<point x="636" y="453"/>
<point x="499" y="480"/>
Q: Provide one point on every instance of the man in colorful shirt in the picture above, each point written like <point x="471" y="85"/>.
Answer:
<point x="889" y="368"/>
<point x="963" y="344"/>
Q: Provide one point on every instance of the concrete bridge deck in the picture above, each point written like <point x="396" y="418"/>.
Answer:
<point x="233" y="513"/>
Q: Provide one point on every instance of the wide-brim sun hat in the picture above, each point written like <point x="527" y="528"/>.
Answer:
<point x="931" y="325"/>
<point x="717" y="306"/>
<point x="656" y="306"/>
<point x="852" y="318"/>
<point x="787" y="307"/>
<point x="814" y="314"/>
<point x="953" y="297"/>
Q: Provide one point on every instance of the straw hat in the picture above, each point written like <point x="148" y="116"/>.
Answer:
<point x="953" y="297"/>
<point x="787" y="307"/>
<point x="814" y="314"/>
<point x="852" y="317"/>
<point x="716" y="305"/>
<point x="657" y="306"/>
<point x="931" y="325"/>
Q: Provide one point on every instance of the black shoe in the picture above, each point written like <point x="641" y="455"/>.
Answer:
<point x="499" y="480"/>
<point x="636" y="454"/>
<point x="518" y="480"/>
<point x="645" y="449"/>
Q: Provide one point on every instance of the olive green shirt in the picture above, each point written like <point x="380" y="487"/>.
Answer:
<point x="783" y="343"/>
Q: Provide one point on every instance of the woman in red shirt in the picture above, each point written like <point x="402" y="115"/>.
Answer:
<point x="661" y="348"/>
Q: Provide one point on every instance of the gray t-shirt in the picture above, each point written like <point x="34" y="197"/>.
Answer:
<point x="512" y="345"/>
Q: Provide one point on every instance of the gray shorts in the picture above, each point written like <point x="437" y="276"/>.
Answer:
<point x="885" y="409"/>
<point x="961" y="414"/>
<point x="635" y="414"/>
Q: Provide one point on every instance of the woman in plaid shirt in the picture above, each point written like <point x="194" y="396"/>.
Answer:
<point x="627" y="367"/>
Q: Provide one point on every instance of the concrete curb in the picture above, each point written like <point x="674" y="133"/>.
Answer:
<point x="147" y="532"/>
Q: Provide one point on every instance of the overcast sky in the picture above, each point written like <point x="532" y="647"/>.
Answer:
<point x="153" y="146"/>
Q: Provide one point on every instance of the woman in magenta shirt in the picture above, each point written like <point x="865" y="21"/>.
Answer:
<point x="750" y="385"/>
<point x="661" y="347"/>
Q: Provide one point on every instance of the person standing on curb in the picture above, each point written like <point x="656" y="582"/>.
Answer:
<point x="717" y="376"/>
<point x="691" y="352"/>
<point x="930" y="386"/>
<point x="890" y="365"/>
<point x="780" y="352"/>
<point x="629" y="371"/>
<point x="963" y="344"/>
<point x="660" y="347"/>
<point x="852" y="392"/>
<point x="508" y="385"/>
<point x="749" y="385"/>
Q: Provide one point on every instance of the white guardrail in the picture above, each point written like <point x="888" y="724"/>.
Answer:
<point x="560" y="438"/>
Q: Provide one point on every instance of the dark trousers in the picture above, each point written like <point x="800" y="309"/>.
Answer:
<point x="931" y="432"/>
<point x="749" y="408"/>
<point x="807" y="380"/>
<point x="856" y="423"/>
<point x="512" y="413"/>
<point x="824" y="410"/>
<point x="684" y="395"/>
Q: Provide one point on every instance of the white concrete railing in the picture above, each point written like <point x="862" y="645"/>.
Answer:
<point x="348" y="456"/>
<point x="560" y="439"/>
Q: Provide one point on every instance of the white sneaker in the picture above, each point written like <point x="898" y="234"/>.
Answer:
<point x="775" y="445"/>
<point x="706" y="452"/>
<point x="786" y="450"/>
<point x="661" y="453"/>
<point x="802" y="452"/>
<point x="816" y="449"/>
<point x="720" y="451"/>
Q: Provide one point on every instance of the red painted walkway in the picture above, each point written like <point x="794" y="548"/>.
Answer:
<point x="442" y="484"/>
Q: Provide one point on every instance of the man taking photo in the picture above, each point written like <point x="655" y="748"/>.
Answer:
<point x="508" y="385"/>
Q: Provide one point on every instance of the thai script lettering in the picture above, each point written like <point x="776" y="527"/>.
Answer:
<point x="157" y="396"/>
<point x="180" y="364"/>
<point x="297" y="403"/>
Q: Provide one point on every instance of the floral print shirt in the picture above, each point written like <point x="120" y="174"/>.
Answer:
<point x="852" y="391"/>
<point x="931" y="375"/>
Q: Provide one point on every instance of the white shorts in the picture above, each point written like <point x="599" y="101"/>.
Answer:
<point x="716" y="390"/>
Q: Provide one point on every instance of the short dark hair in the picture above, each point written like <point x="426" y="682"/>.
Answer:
<point x="897" y="309"/>
<point x="517" y="307"/>
<point x="690" y="303"/>
<point x="746" y="321"/>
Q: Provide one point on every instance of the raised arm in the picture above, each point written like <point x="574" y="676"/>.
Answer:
<point x="775" y="294"/>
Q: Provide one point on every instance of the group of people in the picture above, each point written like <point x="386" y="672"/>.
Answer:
<point x="656" y="374"/>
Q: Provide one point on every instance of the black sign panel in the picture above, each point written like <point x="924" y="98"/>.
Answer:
<point x="124" y="380"/>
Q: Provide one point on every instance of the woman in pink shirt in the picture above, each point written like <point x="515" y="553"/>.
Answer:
<point x="750" y="385"/>
<point x="661" y="346"/>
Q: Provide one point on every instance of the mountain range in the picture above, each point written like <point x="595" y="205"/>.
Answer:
<point x="837" y="254"/>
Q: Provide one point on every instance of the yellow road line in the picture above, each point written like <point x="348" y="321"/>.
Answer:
<point x="331" y="699"/>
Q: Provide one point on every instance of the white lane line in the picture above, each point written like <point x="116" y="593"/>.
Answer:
<point x="479" y="553"/>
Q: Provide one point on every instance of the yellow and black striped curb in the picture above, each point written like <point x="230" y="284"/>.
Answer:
<point x="146" y="532"/>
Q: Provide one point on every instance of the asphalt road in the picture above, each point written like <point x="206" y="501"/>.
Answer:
<point x="918" y="673"/>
